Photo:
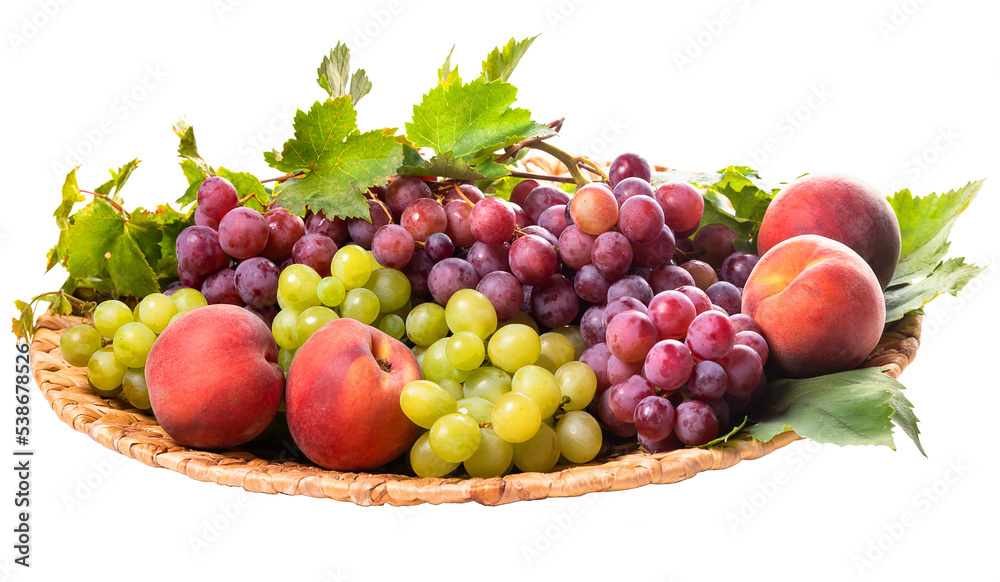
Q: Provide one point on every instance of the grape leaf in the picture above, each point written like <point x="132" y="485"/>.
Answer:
<point x="113" y="186"/>
<point x="925" y="223"/>
<point x="948" y="277"/>
<point x="101" y="242"/>
<point x="70" y="197"/>
<point x="446" y="166"/>
<point x="195" y="168"/>
<point x="857" y="407"/>
<point x="334" y="75"/>
<point x="500" y="63"/>
<point x="339" y="162"/>
<point x="448" y="74"/>
<point x="471" y="120"/>
<point x="247" y="184"/>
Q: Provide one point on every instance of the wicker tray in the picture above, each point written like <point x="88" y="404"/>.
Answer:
<point x="119" y="427"/>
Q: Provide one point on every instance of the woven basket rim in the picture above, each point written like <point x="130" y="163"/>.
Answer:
<point x="130" y="432"/>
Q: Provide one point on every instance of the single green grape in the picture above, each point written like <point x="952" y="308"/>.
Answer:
<point x="134" y="386"/>
<point x="186" y="299"/>
<point x="453" y="387"/>
<point x="425" y="463"/>
<point x="579" y="436"/>
<point x="330" y="291"/>
<point x="285" y="358"/>
<point x="360" y="304"/>
<point x="374" y="263"/>
<point x="487" y="383"/>
<point x="546" y="362"/>
<point x="393" y="325"/>
<point x="465" y="351"/>
<point x="578" y="382"/>
<point x="310" y="320"/>
<point x="514" y="346"/>
<point x="426" y="324"/>
<point x="104" y="370"/>
<point x="78" y="343"/>
<point x="423" y="402"/>
<point x="132" y="344"/>
<point x="110" y="315"/>
<point x="155" y="310"/>
<point x="557" y="347"/>
<point x="352" y="266"/>
<point x="297" y="285"/>
<point x="540" y="453"/>
<point x="516" y="417"/>
<point x="493" y="457"/>
<point x="540" y="385"/>
<point x="284" y="328"/>
<point x="480" y="409"/>
<point x="572" y="333"/>
<point x="470" y="310"/>
<point x="391" y="287"/>
<point x="435" y="365"/>
<point x="454" y="437"/>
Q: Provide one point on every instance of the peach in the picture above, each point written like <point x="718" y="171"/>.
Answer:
<point x="342" y="397"/>
<point x="213" y="377"/>
<point x="818" y="303"/>
<point x="837" y="207"/>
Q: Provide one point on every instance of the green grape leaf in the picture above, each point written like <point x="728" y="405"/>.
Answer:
<point x="338" y="162"/>
<point x="925" y="223"/>
<point x="950" y="276"/>
<point x="471" y="120"/>
<point x="70" y="197"/>
<point x="24" y="322"/>
<point x="101" y="242"/>
<point x="500" y="63"/>
<point x="447" y="74"/>
<point x="334" y="75"/>
<point x="247" y="184"/>
<point x="857" y="407"/>
<point x="446" y="166"/>
<point x="188" y="148"/>
<point x="113" y="186"/>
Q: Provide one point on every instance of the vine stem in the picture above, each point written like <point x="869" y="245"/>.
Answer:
<point x="562" y="179"/>
<point x="569" y="161"/>
<point x="280" y="178"/>
<point x="125" y="214"/>
<point x="512" y="151"/>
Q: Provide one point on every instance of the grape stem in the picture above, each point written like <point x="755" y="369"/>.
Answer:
<point x="569" y="161"/>
<point x="514" y="149"/>
<point x="529" y="175"/>
<point x="113" y="204"/>
<point x="462" y="194"/>
<point x="281" y="178"/>
<point x="371" y="196"/>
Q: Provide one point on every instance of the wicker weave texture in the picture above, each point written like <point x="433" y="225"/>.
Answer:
<point x="117" y="426"/>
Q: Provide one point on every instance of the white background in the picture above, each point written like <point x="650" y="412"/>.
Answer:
<point x="896" y="92"/>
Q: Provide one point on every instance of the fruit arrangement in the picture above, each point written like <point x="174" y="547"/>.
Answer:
<point x="424" y="299"/>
